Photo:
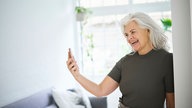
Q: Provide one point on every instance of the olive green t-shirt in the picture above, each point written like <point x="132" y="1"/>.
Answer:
<point x="144" y="80"/>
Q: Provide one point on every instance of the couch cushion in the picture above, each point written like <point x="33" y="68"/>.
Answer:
<point x="66" y="99"/>
<point x="84" y="98"/>
<point x="52" y="106"/>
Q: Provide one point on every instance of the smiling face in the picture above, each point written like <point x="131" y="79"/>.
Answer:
<point x="138" y="38"/>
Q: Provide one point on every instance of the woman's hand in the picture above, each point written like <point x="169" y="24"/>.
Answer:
<point x="170" y="100"/>
<point x="107" y="86"/>
<point x="72" y="64"/>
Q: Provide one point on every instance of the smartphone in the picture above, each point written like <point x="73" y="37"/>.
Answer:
<point x="69" y="53"/>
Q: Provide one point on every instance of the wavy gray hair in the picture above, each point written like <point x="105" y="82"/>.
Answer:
<point x="157" y="36"/>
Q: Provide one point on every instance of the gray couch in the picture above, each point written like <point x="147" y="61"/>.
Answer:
<point x="44" y="99"/>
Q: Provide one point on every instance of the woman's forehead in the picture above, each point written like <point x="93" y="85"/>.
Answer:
<point x="131" y="25"/>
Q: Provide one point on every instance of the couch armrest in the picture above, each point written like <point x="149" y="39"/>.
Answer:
<point x="40" y="99"/>
<point x="98" y="102"/>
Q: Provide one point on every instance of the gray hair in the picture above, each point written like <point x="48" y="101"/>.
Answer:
<point x="157" y="36"/>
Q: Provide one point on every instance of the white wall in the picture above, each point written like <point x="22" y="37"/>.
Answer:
<point x="181" y="17"/>
<point x="34" y="38"/>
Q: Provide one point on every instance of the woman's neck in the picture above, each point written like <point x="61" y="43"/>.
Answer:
<point x="145" y="51"/>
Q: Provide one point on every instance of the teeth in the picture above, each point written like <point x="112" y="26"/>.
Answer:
<point x="134" y="42"/>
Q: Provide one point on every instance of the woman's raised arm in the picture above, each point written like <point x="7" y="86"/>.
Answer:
<point x="107" y="86"/>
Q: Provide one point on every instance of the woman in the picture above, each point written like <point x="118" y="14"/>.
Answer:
<point x="145" y="76"/>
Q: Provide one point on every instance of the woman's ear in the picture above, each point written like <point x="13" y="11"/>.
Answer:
<point x="148" y="30"/>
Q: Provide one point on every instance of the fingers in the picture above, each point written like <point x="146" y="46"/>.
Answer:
<point x="72" y="65"/>
<point x="69" y="54"/>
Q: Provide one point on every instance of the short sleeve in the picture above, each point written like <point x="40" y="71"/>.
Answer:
<point x="169" y="77"/>
<point x="115" y="73"/>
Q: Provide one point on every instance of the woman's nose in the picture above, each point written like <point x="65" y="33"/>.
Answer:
<point x="130" y="37"/>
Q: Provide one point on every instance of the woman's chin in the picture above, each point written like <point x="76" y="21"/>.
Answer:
<point x="135" y="49"/>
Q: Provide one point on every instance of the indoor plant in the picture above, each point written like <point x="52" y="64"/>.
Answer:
<point x="82" y="13"/>
<point x="167" y="23"/>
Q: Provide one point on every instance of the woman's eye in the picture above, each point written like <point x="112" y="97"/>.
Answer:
<point x="132" y="32"/>
<point x="126" y="35"/>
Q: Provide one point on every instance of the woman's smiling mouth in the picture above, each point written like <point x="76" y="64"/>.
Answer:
<point x="134" y="43"/>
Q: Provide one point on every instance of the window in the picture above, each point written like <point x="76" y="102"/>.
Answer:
<point x="147" y="1"/>
<point x="109" y="44"/>
<point x="102" y="40"/>
<point x="101" y="3"/>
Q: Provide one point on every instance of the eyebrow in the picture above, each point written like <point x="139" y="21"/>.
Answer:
<point x="129" y="32"/>
<point x="132" y="30"/>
